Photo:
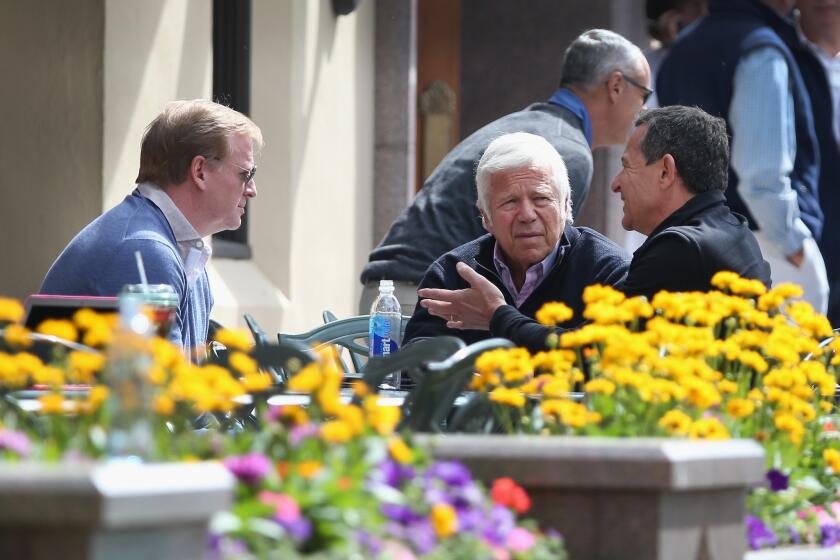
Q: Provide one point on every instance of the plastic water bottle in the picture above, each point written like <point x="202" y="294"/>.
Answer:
<point x="384" y="331"/>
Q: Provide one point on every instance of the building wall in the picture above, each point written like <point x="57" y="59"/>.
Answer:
<point x="83" y="79"/>
<point x="51" y="62"/>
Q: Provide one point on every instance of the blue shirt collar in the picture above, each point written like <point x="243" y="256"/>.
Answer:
<point x="568" y="100"/>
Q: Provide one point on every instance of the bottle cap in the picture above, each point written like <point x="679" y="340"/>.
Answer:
<point x="389" y="284"/>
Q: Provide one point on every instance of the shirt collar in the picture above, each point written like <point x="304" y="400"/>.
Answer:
<point x="541" y="269"/>
<point x="567" y="99"/>
<point x="185" y="234"/>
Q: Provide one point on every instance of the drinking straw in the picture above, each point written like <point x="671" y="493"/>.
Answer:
<point x="142" y="270"/>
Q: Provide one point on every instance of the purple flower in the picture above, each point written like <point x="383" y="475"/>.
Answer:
<point x="421" y="534"/>
<point x="470" y="519"/>
<point x="830" y="535"/>
<point x="250" y="468"/>
<point x="399" y="513"/>
<point x="777" y="479"/>
<point x="794" y="535"/>
<point x="299" y="433"/>
<point x="393" y="474"/>
<point x="452" y="473"/>
<point x="759" y="535"/>
<point x="501" y="522"/>
<point x="371" y="544"/>
<point x="300" y="529"/>
<point x="16" y="442"/>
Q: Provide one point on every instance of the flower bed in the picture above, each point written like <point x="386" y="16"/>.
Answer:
<point x="737" y="362"/>
<point x="330" y="480"/>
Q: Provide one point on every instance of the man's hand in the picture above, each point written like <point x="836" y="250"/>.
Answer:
<point x="797" y="258"/>
<point x="470" y="308"/>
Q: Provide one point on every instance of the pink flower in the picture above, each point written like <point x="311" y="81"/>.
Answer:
<point x="520" y="540"/>
<point x="286" y="508"/>
<point x="500" y="553"/>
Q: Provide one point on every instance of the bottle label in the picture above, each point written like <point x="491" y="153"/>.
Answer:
<point x="381" y="341"/>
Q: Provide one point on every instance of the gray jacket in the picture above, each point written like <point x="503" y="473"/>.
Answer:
<point x="444" y="215"/>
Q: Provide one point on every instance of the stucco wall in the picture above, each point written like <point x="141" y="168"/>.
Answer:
<point x="313" y="98"/>
<point x="51" y="61"/>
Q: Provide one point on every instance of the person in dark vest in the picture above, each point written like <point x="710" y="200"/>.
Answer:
<point x="819" y="22"/>
<point x="604" y="84"/>
<point x="674" y="172"/>
<point x="739" y="63"/>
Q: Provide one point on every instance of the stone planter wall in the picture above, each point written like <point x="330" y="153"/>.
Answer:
<point x="639" y="499"/>
<point x="109" y="511"/>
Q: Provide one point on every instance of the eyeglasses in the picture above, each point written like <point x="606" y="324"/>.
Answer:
<point x="249" y="173"/>
<point x="632" y="82"/>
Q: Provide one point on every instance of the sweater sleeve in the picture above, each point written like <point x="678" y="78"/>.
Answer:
<point x="507" y="322"/>
<point x="162" y="266"/>
<point x="422" y="323"/>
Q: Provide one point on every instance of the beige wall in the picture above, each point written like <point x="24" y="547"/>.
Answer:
<point x="313" y="98"/>
<point x="79" y="111"/>
<point x="155" y="51"/>
<point x="50" y="143"/>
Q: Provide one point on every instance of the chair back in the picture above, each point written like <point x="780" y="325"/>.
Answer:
<point x="430" y="402"/>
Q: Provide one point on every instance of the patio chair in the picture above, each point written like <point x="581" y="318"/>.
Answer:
<point x="350" y="333"/>
<point x="428" y="405"/>
<point x="277" y="371"/>
<point x="411" y="359"/>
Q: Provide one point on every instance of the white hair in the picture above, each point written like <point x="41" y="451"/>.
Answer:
<point x="519" y="150"/>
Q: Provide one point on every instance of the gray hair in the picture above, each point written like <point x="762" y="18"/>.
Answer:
<point x="595" y="54"/>
<point x="695" y="139"/>
<point x="518" y="150"/>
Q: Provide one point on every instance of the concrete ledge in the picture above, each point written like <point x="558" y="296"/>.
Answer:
<point x="115" y="510"/>
<point x="628" y="498"/>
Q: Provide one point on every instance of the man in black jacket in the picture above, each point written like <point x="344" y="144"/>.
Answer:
<point x="531" y="256"/>
<point x="604" y="83"/>
<point x="674" y="172"/>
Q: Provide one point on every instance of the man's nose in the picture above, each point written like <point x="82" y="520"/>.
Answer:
<point x="527" y="212"/>
<point x="251" y="189"/>
<point x="615" y="186"/>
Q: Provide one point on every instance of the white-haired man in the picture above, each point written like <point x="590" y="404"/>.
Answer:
<point x="531" y="255"/>
<point x="604" y="83"/>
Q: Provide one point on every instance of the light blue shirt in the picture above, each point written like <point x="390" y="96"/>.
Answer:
<point x="534" y="276"/>
<point x="764" y="147"/>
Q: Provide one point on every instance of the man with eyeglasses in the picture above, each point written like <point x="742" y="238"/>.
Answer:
<point x="604" y="84"/>
<point x="196" y="176"/>
<point x="741" y="63"/>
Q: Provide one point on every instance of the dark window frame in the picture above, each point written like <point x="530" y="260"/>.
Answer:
<point x="232" y="87"/>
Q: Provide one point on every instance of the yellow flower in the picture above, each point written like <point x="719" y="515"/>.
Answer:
<point x="832" y="459"/>
<point x="83" y="366"/>
<point x="307" y="379"/>
<point x="727" y="387"/>
<point x="553" y="313"/>
<point x="444" y="520"/>
<point x="569" y="413"/>
<point x="10" y="310"/>
<point x="295" y="414"/>
<point x="98" y="336"/>
<point x="235" y="339"/>
<point x="360" y="388"/>
<point x="51" y="404"/>
<point x="723" y="280"/>
<point x="509" y="397"/>
<point x="754" y="360"/>
<point x="62" y="328"/>
<point x="708" y="428"/>
<point x="164" y="405"/>
<point x="242" y="362"/>
<point x="756" y="395"/>
<point x="600" y="385"/>
<point x="49" y="375"/>
<point x="384" y="419"/>
<point x="739" y="408"/>
<point x="309" y="469"/>
<point x="400" y="452"/>
<point x="788" y="423"/>
<point x="675" y="422"/>
<point x="98" y="395"/>
<point x="336" y="431"/>
<point x="256" y="381"/>
<point x="601" y="293"/>
<point x="17" y="336"/>
<point x="166" y="354"/>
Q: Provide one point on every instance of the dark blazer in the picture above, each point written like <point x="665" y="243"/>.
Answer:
<point x="691" y="245"/>
<point x="444" y="216"/>
<point x="586" y="257"/>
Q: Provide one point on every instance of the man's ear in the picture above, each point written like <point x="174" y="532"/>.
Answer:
<point x="614" y="84"/>
<point x="485" y="221"/>
<point x="198" y="171"/>
<point x="668" y="174"/>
